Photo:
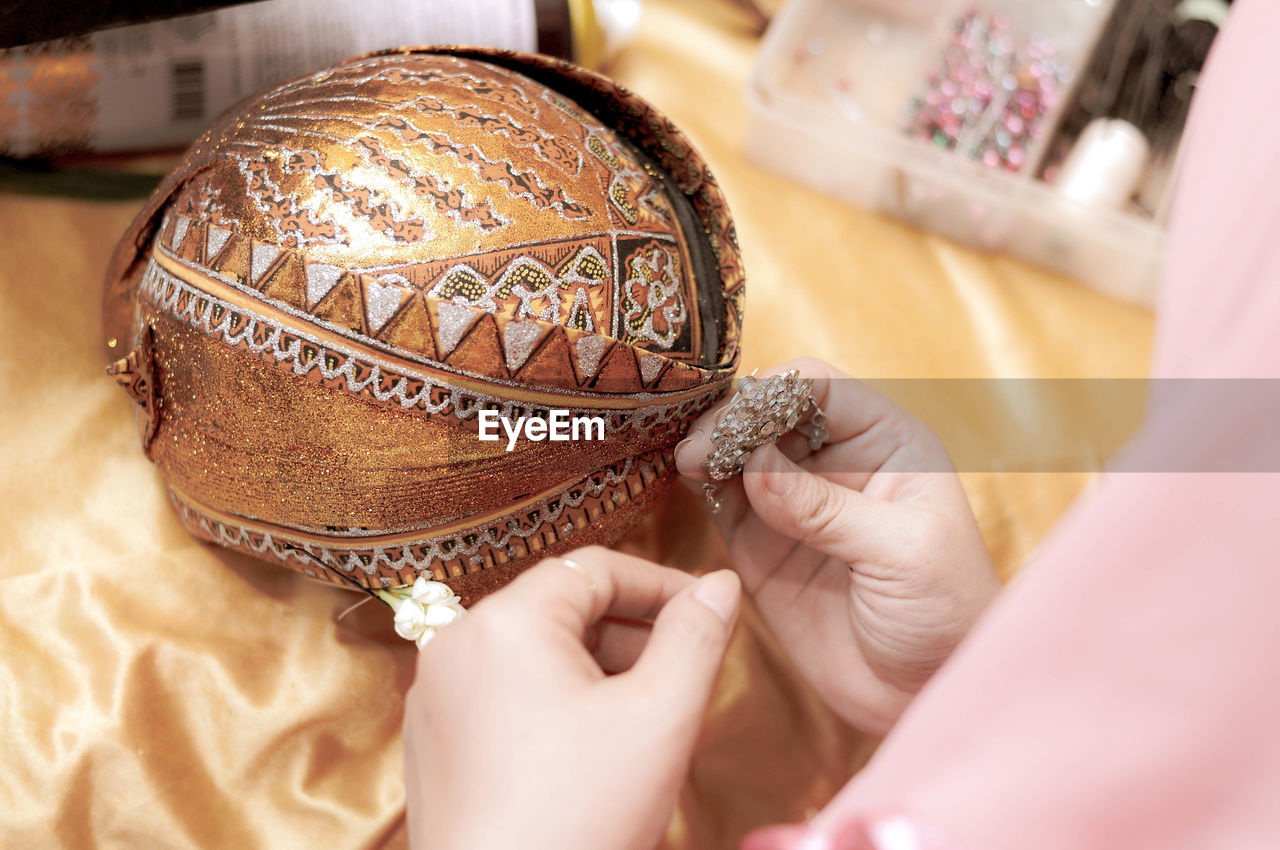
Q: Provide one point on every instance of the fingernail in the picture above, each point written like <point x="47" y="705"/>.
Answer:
<point x="719" y="591"/>
<point x="779" y="471"/>
<point x="680" y="447"/>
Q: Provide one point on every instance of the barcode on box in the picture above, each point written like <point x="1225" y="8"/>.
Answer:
<point x="186" y="90"/>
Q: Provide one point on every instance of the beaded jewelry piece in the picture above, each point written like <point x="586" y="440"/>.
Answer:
<point x="763" y="409"/>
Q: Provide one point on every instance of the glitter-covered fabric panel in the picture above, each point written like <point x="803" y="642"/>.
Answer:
<point x="349" y="270"/>
<point x="413" y="181"/>
<point x="415" y="326"/>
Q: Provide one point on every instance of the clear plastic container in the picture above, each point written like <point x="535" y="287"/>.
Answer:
<point x="830" y="95"/>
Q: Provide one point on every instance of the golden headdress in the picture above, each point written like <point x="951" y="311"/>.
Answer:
<point x="347" y="271"/>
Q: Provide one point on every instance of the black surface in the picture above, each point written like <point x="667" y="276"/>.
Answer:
<point x="555" y="28"/>
<point x="29" y="21"/>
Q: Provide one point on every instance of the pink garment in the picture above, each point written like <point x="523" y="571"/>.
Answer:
<point x="1124" y="692"/>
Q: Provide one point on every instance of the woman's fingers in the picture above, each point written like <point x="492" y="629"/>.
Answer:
<point x="616" y="644"/>
<point x="690" y="635"/>
<point x="820" y="513"/>
<point x="578" y="589"/>
<point x="607" y="599"/>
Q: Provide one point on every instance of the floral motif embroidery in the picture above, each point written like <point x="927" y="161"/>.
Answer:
<point x="653" y="307"/>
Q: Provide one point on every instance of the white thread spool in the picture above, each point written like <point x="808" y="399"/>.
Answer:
<point x="1105" y="165"/>
<point x="1212" y="11"/>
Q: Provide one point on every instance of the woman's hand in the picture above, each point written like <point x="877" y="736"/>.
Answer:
<point x="516" y="737"/>
<point x="864" y="558"/>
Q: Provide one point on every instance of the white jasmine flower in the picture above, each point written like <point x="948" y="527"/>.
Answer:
<point x="423" y="609"/>
<point x="427" y="592"/>
<point x="411" y="619"/>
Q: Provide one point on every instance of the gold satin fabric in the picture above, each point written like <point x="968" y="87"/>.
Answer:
<point x="157" y="692"/>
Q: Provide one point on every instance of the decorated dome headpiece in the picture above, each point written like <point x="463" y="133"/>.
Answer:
<point x="353" y="277"/>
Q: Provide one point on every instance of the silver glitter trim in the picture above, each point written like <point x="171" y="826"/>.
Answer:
<point x="442" y="548"/>
<point x="590" y="350"/>
<point x="455" y="321"/>
<point x="180" y="232"/>
<point x="582" y="307"/>
<point x="321" y="279"/>
<point x="284" y="345"/>
<point x="650" y="366"/>
<point x="261" y="258"/>
<point x="214" y="241"/>
<point x="399" y="74"/>
<point x="519" y="338"/>
<point x="381" y="300"/>
<point x="543" y="301"/>
<point x="470" y="157"/>
<point x="661" y="294"/>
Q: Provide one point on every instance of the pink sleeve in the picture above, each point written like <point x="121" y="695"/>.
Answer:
<point x="1124" y="691"/>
